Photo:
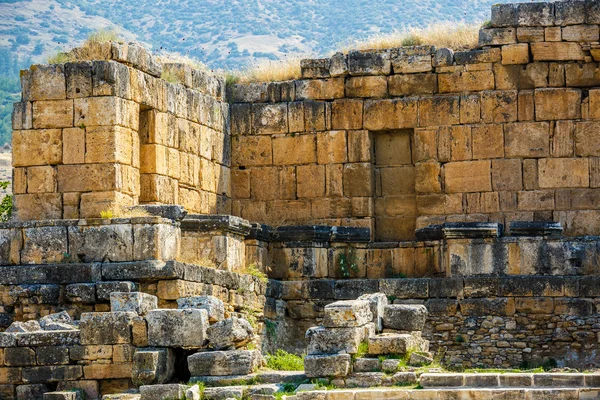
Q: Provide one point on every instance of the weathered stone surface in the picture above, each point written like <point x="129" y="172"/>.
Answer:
<point x="81" y="292"/>
<point x="137" y="302"/>
<point x="152" y="366"/>
<point x="90" y="388"/>
<point x="106" y="328"/>
<point x="29" y="326"/>
<point x="58" y="321"/>
<point x="369" y="63"/>
<point x="160" y="392"/>
<point x="347" y="313"/>
<point x="68" y="395"/>
<point x="317" y="366"/>
<point x="377" y="303"/>
<point x="230" y="333"/>
<point x="104" y="289"/>
<point x="393" y="343"/>
<point x="213" y="305"/>
<point x="177" y="328"/>
<point x="404" y="317"/>
<point x="29" y="392"/>
<point x="323" y="340"/>
<point x="49" y="338"/>
<point x="223" y="363"/>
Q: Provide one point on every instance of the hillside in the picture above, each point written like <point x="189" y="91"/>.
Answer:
<point x="228" y="35"/>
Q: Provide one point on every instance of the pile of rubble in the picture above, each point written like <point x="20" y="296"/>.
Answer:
<point x="360" y="338"/>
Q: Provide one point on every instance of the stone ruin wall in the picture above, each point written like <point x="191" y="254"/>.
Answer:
<point x="388" y="140"/>
<point x="95" y="136"/>
<point x="399" y="139"/>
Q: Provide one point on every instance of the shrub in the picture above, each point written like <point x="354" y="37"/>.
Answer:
<point x="7" y="203"/>
<point x="284" y="361"/>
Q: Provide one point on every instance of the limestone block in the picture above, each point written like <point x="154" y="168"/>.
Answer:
<point x="69" y="395"/>
<point x="467" y="81"/>
<point x="337" y="365"/>
<point x="394" y="343"/>
<point x="137" y="302"/>
<point x="88" y="177"/>
<point x="468" y="176"/>
<point x="556" y="51"/>
<point x="322" y="340"/>
<point x="417" y="359"/>
<point x="347" y="313"/>
<point x="11" y="241"/>
<point x="507" y="175"/>
<point x="497" y="36"/>
<point x="412" y="59"/>
<point x="358" y="179"/>
<point x="319" y="89"/>
<point x="177" y="328"/>
<point x="443" y="57"/>
<point x="230" y="333"/>
<point x="347" y="114"/>
<point x="102" y="242"/>
<point x="111" y="144"/>
<point x="156" y="241"/>
<point x="527" y="139"/>
<point x="390" y="114"/>
<point x="28" y="326"/>
<point x="160" y="392"/>
<point x="530" y="34"/>
<point x="489" y="55"/>
<point x="52" y="114"/>
<point x="311" y="180"/>
<point x="338" y="65"/>
<point x="104" y="289"/>
<point x="47" y="82"/>
<point x="73" y="141"/>
<point x="369" y="63"/>
<point x="580" y="33"/>
<point x="42" y="245"/>
<point x="377" y="303"/>
<point x="213" y="306"/>
<point x="439" y="110"/>
<point x="193" y="393"/>
<point x="37" y="147"/>
<point x="107" y="371"/>
<point x="106" y="111"/>
<point x="89" y="387"/>
<point x="366" y="86"/>
<point x="41" y="180"/>
<point x="34" y="391"/>
<point x="499" y="106"/>
<point x="152" y="366"/>
<point x="57" y="321"/>
<point x="52" y="355"/>
<point x="78" y="77"/>
<point x="488" y="141"/>
<point x="454" y="143"/>
<point x="106" y="327"/>
<point x="52" y="373"/>
<point x="410" y="84"/>
<point x="427" y="177"/>
<point x="293" y="150"/>
<point x="158" y="188"/>
<point x="515" y="54"/>
<point x="223" y="363"/>
<point x="366" y="365"/>
<point x="553" y="104"/>
<point x="563" y="172"/>
<point x="404" y="317"/>
<point x="269" y="118"/>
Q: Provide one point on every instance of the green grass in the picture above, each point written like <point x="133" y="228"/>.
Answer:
<point x="253" y="270"/>
<point x="284" y="361"/>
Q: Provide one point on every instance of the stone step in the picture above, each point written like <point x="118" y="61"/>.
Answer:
<point x="450" y="394"/>
<point x="261" y="377"/>
<point x="490" y="380"/>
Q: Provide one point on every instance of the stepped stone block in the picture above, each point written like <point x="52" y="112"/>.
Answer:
<point x="331" y="365"/>
<point x="223" y="363"/>
<point x="214" y="306"/>
<point x="404" y="317"/>
<point x="347" y="313"/>
<point x="160" y="392"/>
<point x="323" y="340"/>
<point x="366" y="365"/>
<point x="152" y="366"/>
<point x="230" y="333"/>
<point x="177" y="328"/>
<point x="137" y="302"/>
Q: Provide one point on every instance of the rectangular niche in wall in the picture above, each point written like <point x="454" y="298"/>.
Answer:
<point x="395" y="197"/>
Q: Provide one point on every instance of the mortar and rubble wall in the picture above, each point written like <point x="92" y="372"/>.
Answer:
<point x="467" y="181"/>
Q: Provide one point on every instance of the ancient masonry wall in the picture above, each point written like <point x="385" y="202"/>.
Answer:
<point x="95" y="136"/>
<point x="399" y="139"/>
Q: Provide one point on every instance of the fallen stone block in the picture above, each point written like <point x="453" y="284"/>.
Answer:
<point x="377" y="303"/>
<point x="213" y="305"/>
<point x="193" y="393"/>
<point x="391" y="343"/>
<point x="89" y="387"/>
<point x="365" y="379"/>
<point x="390" y="365"/>
<point x="222" y="393"/>
<point x="29" y="326"/>
<point x="162" y="392"/>
<point x="367" y="365"/>
<point x="404" y="317"/>
<point x="137" y="302"/>
<point x="323" y="340"/>
<point x="420" y="359"/>
<point x="152" y="366"/>
<point x="70" y="395"/>
<point x="106" y="328"/>
<point x="230" y="333"/>
<point x="331" y="365"/>
<point x="177" y="328"/>
<point x="34" y="391"/>
<point x="404" y="378"/>
<point x="347" y="313"/>
<point x="221" y="363"/>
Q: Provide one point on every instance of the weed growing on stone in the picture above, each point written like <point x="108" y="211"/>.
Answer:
<point x="6" y="204"/>
<point x="107" y="214"/>
<point x="91" y="49"/>
<point x="271" y="329"/>
<point x="363" y="349"/>
<point x="284" y="361"/>
<point x="253" y="270"/>
<point x="348" y="262"/>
